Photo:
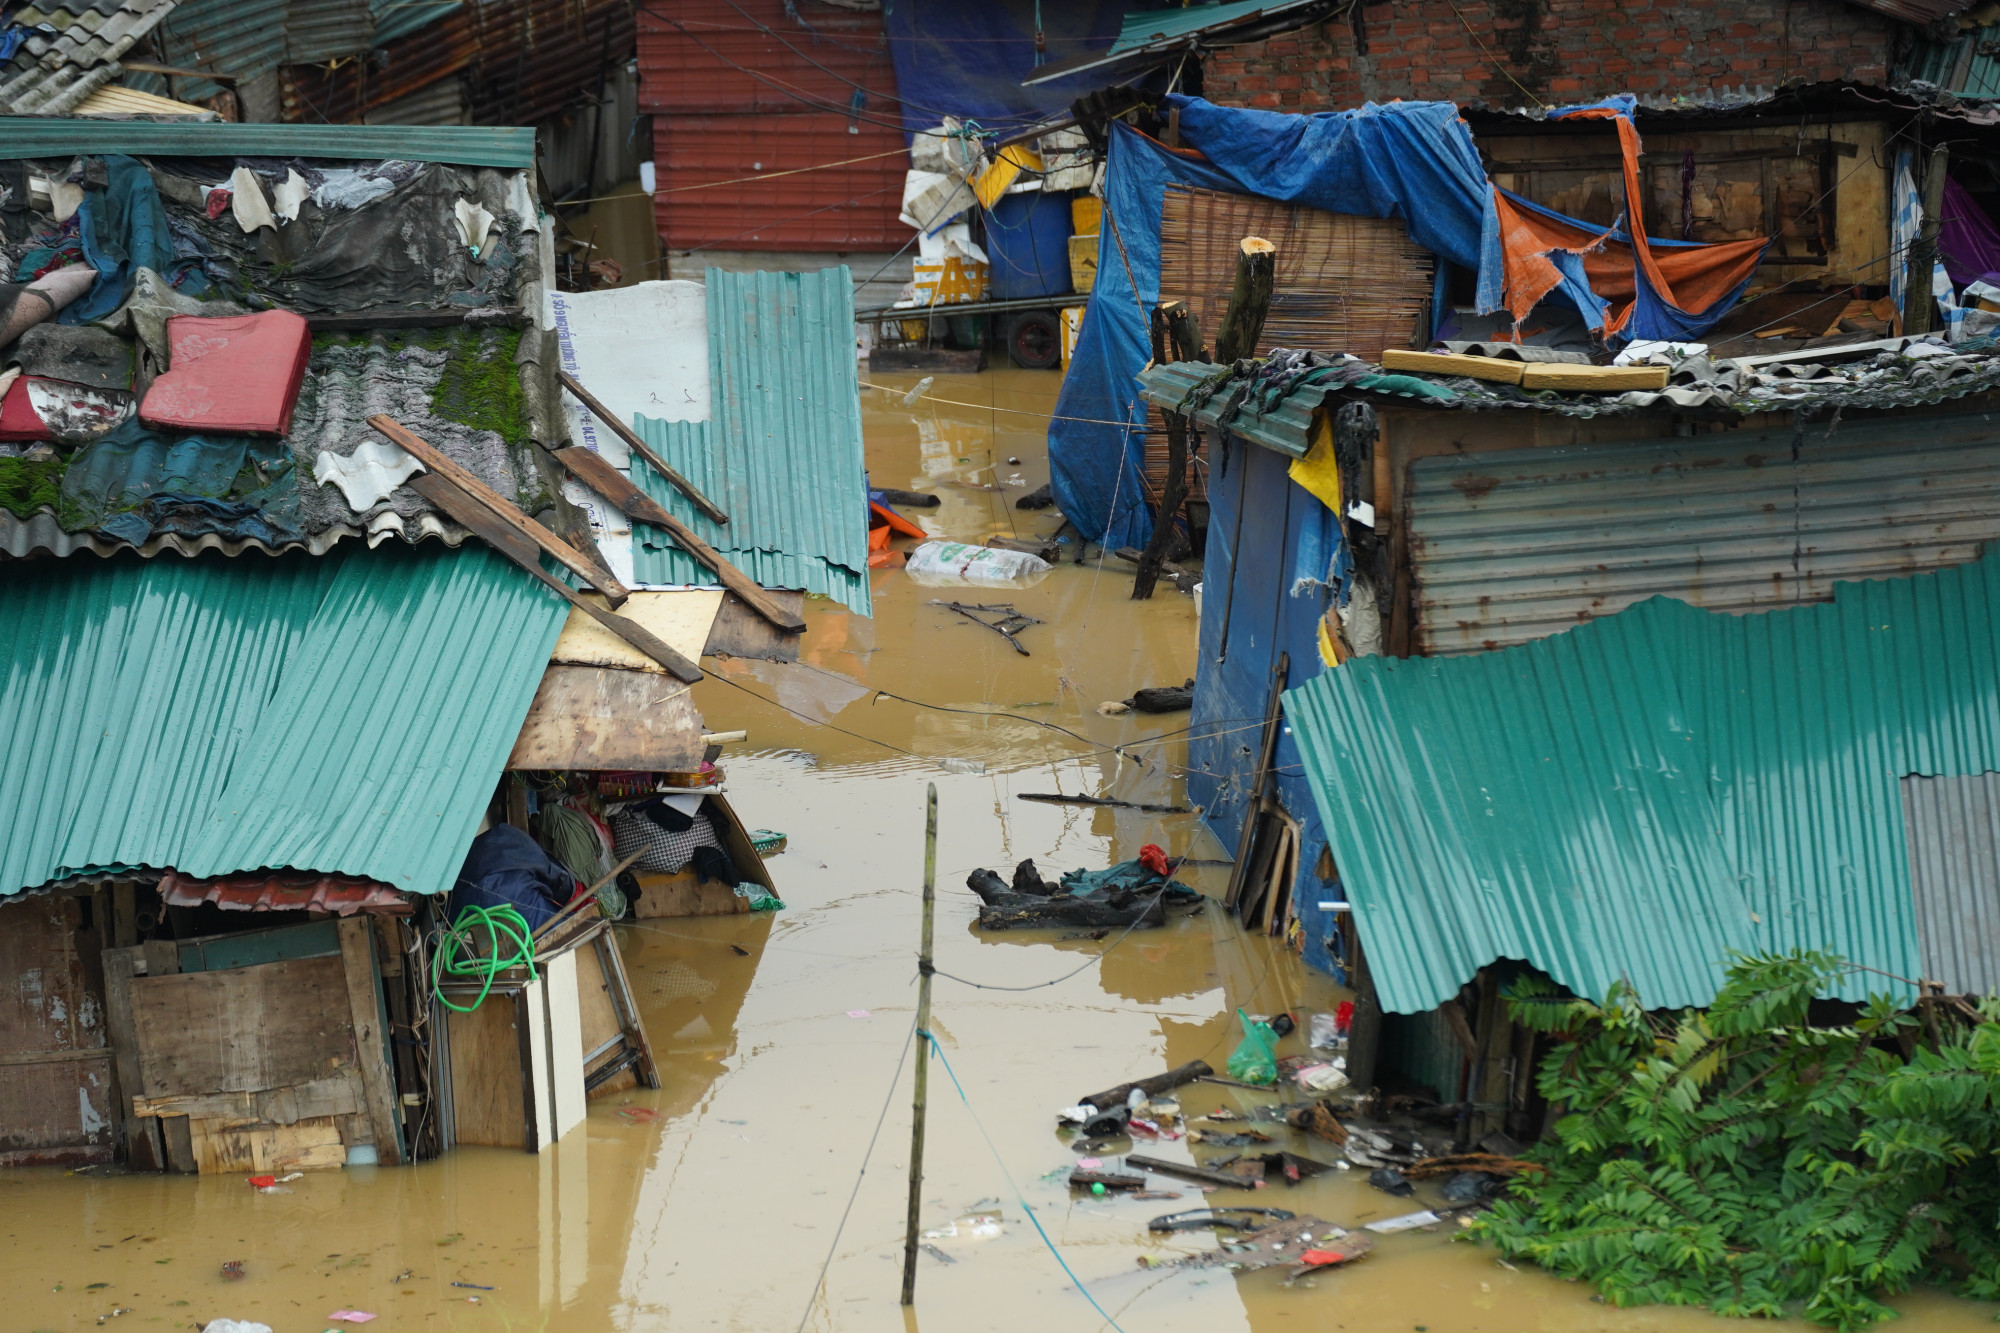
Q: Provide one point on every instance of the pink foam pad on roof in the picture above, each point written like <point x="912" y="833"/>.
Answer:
<point x="238" y="374"/>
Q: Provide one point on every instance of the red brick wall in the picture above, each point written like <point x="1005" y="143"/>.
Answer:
<point x="1553" y="51"/>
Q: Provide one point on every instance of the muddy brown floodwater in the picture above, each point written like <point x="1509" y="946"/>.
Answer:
<point x="717" y="1212"/>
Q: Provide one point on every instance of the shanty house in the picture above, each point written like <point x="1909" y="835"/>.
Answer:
<point x="283" y="452"/>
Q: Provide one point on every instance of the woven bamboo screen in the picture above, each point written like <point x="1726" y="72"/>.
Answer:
<point x="1344" y="284"/>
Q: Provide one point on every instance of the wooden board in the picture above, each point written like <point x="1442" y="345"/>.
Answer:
<point x="598" y="718"/>
<point x="1497" y="369"/>
<point x="681" y="619"/>
<point x="246" y="1029"/>
<point x="56" y="1081"/>
<point x="364" y="1006"/>
<point x="739" y="631"/>
<point x="683" y="893"/>
<point x="488" y="1106"/>
<point x="224" y="1147"/>
<point x="1592" y="379"/>
<point x="340" y="1096"/>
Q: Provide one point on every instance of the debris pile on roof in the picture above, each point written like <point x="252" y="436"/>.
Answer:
<point x="190" y="347"/>
<point x="53" y="57"/>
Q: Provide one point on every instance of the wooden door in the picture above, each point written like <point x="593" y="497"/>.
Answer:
<point x="55" y="1063"/>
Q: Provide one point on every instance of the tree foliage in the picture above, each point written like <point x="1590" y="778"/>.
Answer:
<point x="1741" y="1158"/>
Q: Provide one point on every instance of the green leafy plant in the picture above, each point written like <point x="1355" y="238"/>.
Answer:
<point x="1746" y="1159"/>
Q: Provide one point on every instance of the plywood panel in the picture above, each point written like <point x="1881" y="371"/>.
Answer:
<point x="739" y="631"/>
<point x="597" y="1018"/>
<point x="226" y="1147"/>
<point x="243" y="1030"/>
<point x="598" y="718"/>
<point x="486" y="1082"/>
<point x="55" y="1062"/>
<point x="684" y="893"/>
<point x="681" y="620"/>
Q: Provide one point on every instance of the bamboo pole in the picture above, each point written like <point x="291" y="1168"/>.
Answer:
<point x="924" y="970"/>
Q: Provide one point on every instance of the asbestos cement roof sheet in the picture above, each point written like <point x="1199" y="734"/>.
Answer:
<point x="1641" y="795"/>
<point x="782" y="455"/>
<point x="507" y="147"/>
<point x="339" y="716"/>
<point x="53" y="72"/>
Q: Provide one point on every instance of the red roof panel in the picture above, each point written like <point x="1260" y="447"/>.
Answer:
<point x="701" y="57"/>
<point x="838" y="208"/>
<point x="343" y="895"/>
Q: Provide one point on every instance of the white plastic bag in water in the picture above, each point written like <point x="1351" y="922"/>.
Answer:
<point x="945" y="564"/>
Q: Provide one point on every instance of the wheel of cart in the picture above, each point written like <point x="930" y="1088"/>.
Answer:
<point x="1034" y="339"/>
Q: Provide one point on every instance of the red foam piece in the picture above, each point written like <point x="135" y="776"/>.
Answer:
<point x="19" y="422"/>
<point x="238" y="373"/>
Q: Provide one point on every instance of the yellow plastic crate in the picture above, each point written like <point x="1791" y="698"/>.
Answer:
<point x="1083" y="261"/>
<point x="949" y="281"/>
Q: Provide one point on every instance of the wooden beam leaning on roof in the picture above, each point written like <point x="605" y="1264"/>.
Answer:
<point x="589" y="467"/>
<point x="641" y="448"/>
<point x="502" y="538"/>
<point x="502" y="509"/>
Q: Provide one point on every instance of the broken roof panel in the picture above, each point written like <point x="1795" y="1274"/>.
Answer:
<point x="344" y="716"/>
<point x="343" y="895"/>
<point x="507" y="147"/>
<point x="1640" y="795"/>
<point x="783" y="454"/>
<point x="51" y="75"/>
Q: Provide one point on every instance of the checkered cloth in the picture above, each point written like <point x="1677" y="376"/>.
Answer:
<point x="657" y="848"/>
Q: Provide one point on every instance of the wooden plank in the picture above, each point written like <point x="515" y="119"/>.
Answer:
<point x="588" y="466"/>
<point x="246" y="1029"/>
<point x="501" y="508"/>
<point x="485" y="1059"/>
<point x="144" y="1150"/>
<point x="177" y="1131"/>
<point x="1592" y="379"/>
<point x="52" y="1058"/>
<point x="469" y="512"/>
<point x="641" y="448"/>
<point x="739" y="631"/>
<point x="217" y="953"/>
<point x="344" y="1094"/>
<point x="124" y="914"/>
<point x="684" y="893"/>
<point x="533" y="1034"/>
<point x="223" y="1148"/>
<point x="682" y="619"/>
<point x="602" y="718"/>
<point x="1497" y="369"/>
<point x="357" y="954"/>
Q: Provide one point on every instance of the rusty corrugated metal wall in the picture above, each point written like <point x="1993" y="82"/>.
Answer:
<point x="750" y="89"/>
<point x="521" y="62"/>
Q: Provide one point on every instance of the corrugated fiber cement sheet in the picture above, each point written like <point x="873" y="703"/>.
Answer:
<point x="344" y="715"/>
<point x="1642" y="794"/>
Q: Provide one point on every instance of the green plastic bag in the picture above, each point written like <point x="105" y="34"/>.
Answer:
<point x="1256" y="1059"/>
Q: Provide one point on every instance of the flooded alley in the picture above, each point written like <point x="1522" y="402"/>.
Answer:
<point x="713" y="1202"/>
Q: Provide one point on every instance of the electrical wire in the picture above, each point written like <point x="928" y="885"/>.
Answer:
<point x="1007" y="1176"/>
<point x="827" y="1263"/>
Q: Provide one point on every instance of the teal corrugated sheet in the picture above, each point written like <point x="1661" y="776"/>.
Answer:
<point x="783" y="454"/>
<point x="1642" y="794"/>
<point x="400" y="18"/>
<point x="1156" y="25"/>
<point x="347" y="715"/>
<point x="508" y="147"/>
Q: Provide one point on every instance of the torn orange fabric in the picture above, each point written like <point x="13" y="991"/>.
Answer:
<point x="1690" y="279"/>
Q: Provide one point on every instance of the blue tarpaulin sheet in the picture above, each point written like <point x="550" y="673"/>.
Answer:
<point x="1414" y="161"/>
<point x="968" y="60"/>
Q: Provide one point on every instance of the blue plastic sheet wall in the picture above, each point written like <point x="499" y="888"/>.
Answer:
<point x="1257" y="520"/>
<point x="968" y="60"/>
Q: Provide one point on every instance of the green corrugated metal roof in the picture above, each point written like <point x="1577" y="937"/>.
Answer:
<point x="503" y="146"/>
<point x="348" y="714"/>
<point x="1641" y="794"/>
<point x="782" y="455"/>
<point x="1167" y="25"/>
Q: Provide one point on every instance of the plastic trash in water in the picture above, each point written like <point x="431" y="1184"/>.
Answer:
<point x="234" y="1326"/>
<point x="1322" y="1034"/>
<point x="974" y="766"/>
<point x="949" y="564"/>
<point x="1256" y="1059"/>
<point x="917" y="390"/>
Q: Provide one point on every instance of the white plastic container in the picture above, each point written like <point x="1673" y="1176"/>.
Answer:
<point x="956" y="564"/>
